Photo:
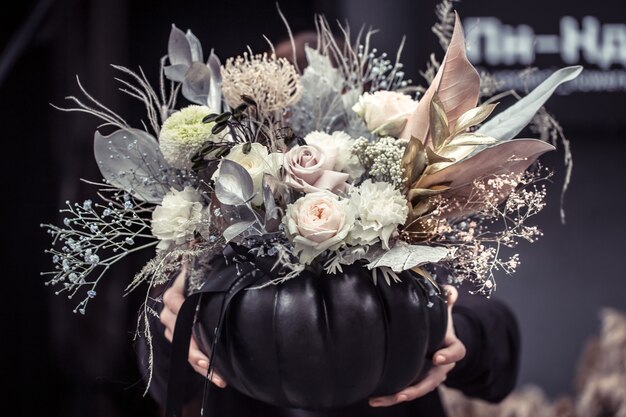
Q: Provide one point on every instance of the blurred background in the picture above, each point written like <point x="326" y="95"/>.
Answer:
<point x="58" y="363"/>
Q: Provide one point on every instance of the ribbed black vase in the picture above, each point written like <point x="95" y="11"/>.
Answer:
<point x="321" y="341"/>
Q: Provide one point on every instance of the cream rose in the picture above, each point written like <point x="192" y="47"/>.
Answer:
<point x="309" y="168"/>
<point x="317" y="222"/>
<point x="379" y="209"/>
<point x="339" y="144"/>
<point x="257" y="162"/>
<point x="385" y="112"/>
<point x="178" y="217"/>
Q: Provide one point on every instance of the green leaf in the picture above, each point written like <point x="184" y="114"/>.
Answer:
<point x="210" y="118"/>
<point x="223" y="118"/>
<point x="219" y="127"/>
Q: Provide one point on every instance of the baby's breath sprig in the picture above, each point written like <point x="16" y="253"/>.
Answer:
<point x="94" y="237"/>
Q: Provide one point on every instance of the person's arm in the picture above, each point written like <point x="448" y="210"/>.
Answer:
<point x="489" y="331"/>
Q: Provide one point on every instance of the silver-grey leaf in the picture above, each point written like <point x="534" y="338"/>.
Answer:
<point x="236" y="229"/>
<point x="324" y="105"/>
<point x="233" y="185"/>
<point x="507" y="124"/>
<point x="403" y="257"/>
<point x="195" y="47"/>
<point x="176" y="72"/>
<point x="197" y="83"/>
<point x="132" y="161"/>
<point x="214" y="100"/>
<point x="178" y="50"/>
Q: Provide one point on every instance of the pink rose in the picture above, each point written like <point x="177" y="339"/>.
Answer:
<point x="317" y="222"/>
<point x="385" y="112"/>
<point x="310" y="168"/>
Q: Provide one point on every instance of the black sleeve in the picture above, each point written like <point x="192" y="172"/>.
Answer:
<point x="491" y="336"/>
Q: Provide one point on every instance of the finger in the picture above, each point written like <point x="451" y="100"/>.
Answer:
<point x="452" y="353"/>
<point x="452" y="294"/>
<point x="435" y="377"/>
<point x="200" y="362"/>
<point x="215" y="378"/>
<point x="174" y="296"/>
<point x="168" y="319"/>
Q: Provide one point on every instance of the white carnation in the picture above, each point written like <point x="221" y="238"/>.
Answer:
<point x="340" y="145"/>
<point x="178" y="217"/>
<point x="379" y="209"/>
<point x="184" y="133"/>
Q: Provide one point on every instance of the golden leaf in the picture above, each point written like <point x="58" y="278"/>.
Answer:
<point x="414" y="161"/>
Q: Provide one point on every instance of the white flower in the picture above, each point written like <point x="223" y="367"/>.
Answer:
<point x="339" y="144"/>
<point x="317" y="222"/>
<point x="385" y="112"/>
<point x="379" y="209"/>
<point x="309" y="168"/>
<point x="257" y="161"/>
<point x="184" y="133"/>
<point x="178" y="217"/>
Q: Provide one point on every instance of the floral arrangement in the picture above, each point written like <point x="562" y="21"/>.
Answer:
<point x="344" y="162"/>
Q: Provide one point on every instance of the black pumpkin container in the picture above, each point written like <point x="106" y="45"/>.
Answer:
<point x="321" y="341"/>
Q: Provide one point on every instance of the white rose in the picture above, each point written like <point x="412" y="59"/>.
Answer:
<point x="178" y="217"/>
<point x="317" y="222"/>
<point x="379" y="209"/>
<point x="339" y="144"/>
<point x="184" y="133"/>
<point x="385" y="112"/>
<point x="257" y="161"/>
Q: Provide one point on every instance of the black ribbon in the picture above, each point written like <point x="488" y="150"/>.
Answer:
<point x="229" y="285"/>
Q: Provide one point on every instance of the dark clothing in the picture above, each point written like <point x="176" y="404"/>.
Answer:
<point x="489" y="370"/>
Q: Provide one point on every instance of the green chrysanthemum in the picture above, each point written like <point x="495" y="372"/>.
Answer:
<point x="183" y="134"/>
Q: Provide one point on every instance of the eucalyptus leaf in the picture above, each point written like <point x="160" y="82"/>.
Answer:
<point x="271" y="211"/>
<point x="195" y="47"/>
<point x="197" y="83"/>
<point x="178" y="49"/>
<point x="507" y="124"/>
<point x="403" y="257"/>
<point x="214" y="100"/>
<point x="130" y="159"/>
<point x="233" y="185"/>
<point x="176" y="72"/>
<point x="236" y="229"/>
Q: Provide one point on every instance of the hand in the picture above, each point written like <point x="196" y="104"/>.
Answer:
<point x="444" y="360"/>
<point x="173" y="299"/>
